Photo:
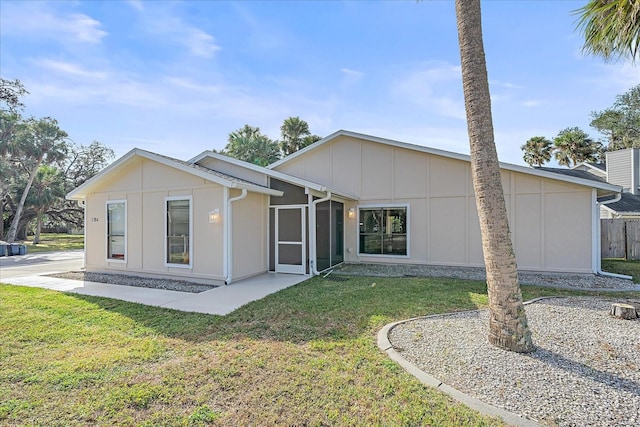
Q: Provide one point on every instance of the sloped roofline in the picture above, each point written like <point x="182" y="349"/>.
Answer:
<point x="590" y="166"/>
<point x="448" y="154"/>
<point x="80" y="192"/>
<point x="272" y="173"/>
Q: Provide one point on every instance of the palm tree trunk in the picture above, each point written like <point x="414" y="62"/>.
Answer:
<point x="508" y="327"/>
<point x="1" y="218"/>
<point x="36" y="238"/>
<point x="13" y="230"/>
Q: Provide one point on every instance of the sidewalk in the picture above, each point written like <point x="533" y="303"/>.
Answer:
<point x="221" y="300"/>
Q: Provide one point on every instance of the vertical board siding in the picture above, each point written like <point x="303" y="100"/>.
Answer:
<point x="551" y="221"/>
<point x="619" y="168"/>
<point x="620" y="238"/>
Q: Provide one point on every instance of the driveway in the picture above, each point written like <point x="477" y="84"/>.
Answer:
<point x="40" y="263"/>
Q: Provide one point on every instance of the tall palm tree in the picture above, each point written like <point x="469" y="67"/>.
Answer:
<point x="537" y="151"/>
<point x="508" y="328"/>
<point x="293" y="131"/>
<point x="611" y="28"/>
<point x="248" y="144"/>
<point x="37" y="142"/>
<point x="573" y="146"/>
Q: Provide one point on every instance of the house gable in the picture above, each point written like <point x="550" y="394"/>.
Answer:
<point x="148" y="175"/>
<point x="170" y="168"/>
<point x="299" y="164"/>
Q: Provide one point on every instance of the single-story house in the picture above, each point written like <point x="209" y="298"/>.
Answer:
<point x="347" y="198"/>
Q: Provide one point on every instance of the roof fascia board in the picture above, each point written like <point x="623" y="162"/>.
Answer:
<point x="450" y="155"/>
<point x="559" y="177"/>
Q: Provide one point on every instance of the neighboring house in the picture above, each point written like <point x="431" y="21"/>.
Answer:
<point x="347" y="198"/>
<point x="622" y="167"/>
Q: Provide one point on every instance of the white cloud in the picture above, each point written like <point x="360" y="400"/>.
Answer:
<point x="506" y="85"/>
<point x="136" y="4"/>
<point x="114" y="92"/>
<point x="31" y="18"/>
<point x="70" y="69"/>
<point x="164" y="23"/>
<point x="200" y="43"/>
<point x="531" y="103"/>
<point x="624" y="75"/>
<point x="352" y="73"/>
<point x="184" y="83"/>
<point x="436" y="87"/>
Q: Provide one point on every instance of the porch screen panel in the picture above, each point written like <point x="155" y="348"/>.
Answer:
<point x="178" y="231"/>
<point x="290" y="254"/>
<point x="116" y="230"/>
<point x="289" y="237"/>
<point x="272" y="240"/>
<point x="337" y="233"/>
<point x="323" y="235"/>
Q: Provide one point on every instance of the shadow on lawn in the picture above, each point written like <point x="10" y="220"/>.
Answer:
<point x="317" y="309"/>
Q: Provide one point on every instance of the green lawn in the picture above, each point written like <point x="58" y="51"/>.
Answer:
<point x="622" y="266"/>
<point x="304" y="356"/>
<point x="50" y="242"/>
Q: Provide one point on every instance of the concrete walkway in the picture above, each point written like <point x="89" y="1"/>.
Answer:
<point x="221" y="300"/>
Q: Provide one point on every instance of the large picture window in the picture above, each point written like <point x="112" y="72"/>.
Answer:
<point x="178" y="237"/>
<point x="383" y="230"/>
<point x="116" y="230"/>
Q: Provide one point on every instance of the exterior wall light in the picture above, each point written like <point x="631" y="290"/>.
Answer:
<point x="214" y="216"/>
<point x="352" y="213"/>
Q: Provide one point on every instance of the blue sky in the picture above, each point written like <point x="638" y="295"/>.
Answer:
<point x="176" y="77"/>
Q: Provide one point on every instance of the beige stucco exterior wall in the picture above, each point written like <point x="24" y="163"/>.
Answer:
<point x="250" y="234"/>
<point x="551" y="221"/>
<point x="144" y="185"/>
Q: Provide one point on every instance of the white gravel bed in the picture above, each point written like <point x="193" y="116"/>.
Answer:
<point x="585" y="370"/>
<point x="559" y="280"/>
<point x="141" y="282"/>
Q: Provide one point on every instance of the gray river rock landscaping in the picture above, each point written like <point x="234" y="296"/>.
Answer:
<point x="585" y="370"/>
<point x="142" y="282"/>
<point x="557" y="280"/>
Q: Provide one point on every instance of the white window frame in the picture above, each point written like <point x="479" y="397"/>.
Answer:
<point x="106" y="231"/>
<point x="385" y="206"/>
<point x="166" y="240"/>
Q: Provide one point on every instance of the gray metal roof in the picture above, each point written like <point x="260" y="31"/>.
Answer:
<point x="573" y="173"/>
<point x="209" y="171"/>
